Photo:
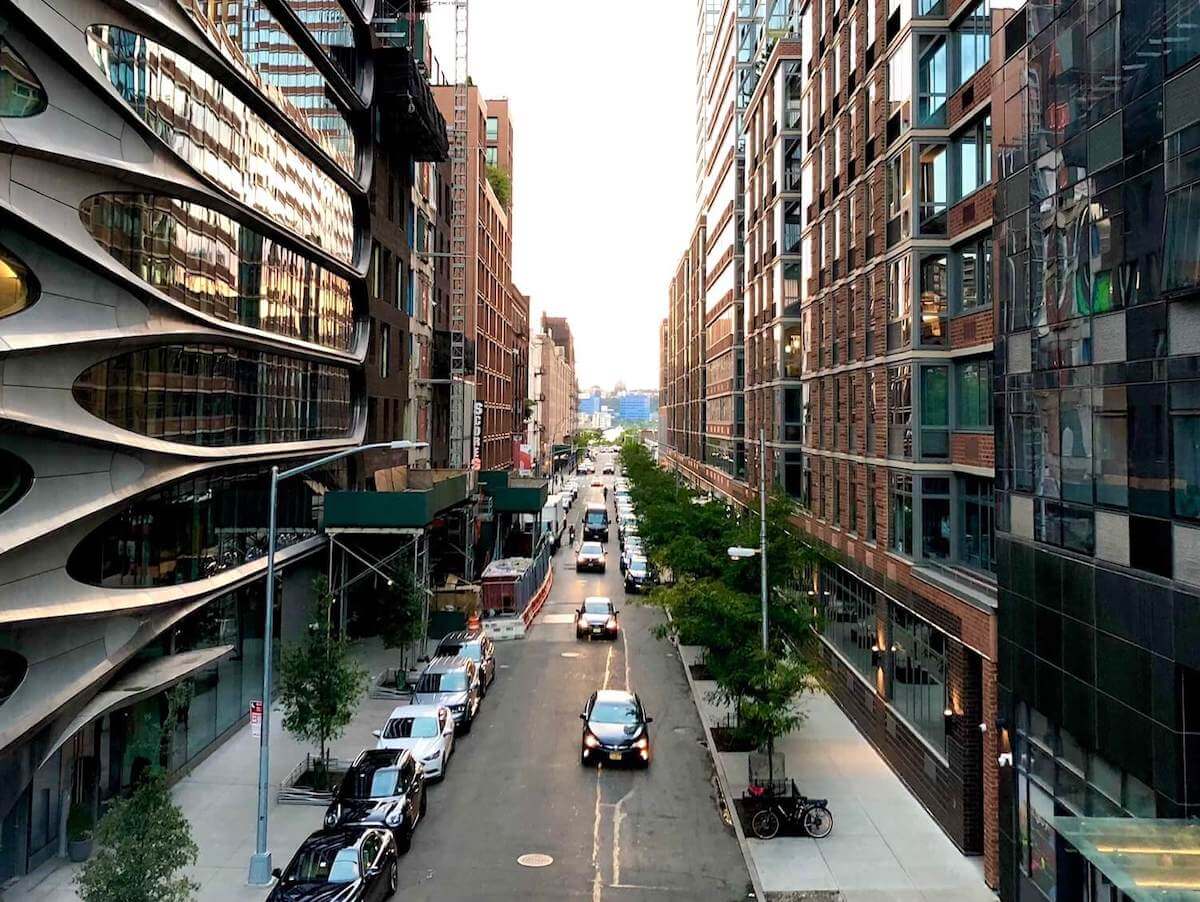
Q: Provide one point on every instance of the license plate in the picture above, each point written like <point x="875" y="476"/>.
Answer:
<point x="614" y="756"/>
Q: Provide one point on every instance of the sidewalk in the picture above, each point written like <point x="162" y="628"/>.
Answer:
<point x="884" y="847"/>
<point x="220" y="799"/>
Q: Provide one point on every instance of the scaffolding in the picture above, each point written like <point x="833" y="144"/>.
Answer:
<point x="459" y="436"/>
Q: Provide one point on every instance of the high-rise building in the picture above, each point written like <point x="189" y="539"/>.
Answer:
<point x="1095" y="113"/>
<point x="553" y="390"/>
<point x="183" y="303"/>
<point x="494" y="313"/>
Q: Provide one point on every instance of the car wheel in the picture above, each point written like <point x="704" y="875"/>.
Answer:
<point x="466" y="725"/>
<point x="404" y="840"/>
<point x="425" y="796"/>
<point x="393" y="879"/>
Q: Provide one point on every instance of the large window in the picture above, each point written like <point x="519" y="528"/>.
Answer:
<point x="198" y="527"/>
<point x="935" y="412"/>
<point x="899" y="196"/>
<point x="900" y="427"/>
<point x="493" y="128"/>
<point x="973" y="157"/>
<point x="21" y="93"/>
<point x="976" y="522"/>
<point x="211" y="263"/>
<point x="1110" y="418"/>
<point x="215" y="395"/>
<point x="973" y="388"/>
<point x="235" y="147"/>
<point x="973" y="40"/>
<point x="900" y="313"/>
<point x="918" y="674"/>
<point x="332" y="29"/>
<point x="935" y="518"/>
<point x="16" y="476"/>
<point x="974" y="275"/>
<point x="1185" y="449"/>
<point x="933" y="81"/>
<point x="849" y="623"/>
<point x="900" y="89"/>
<point x="934" y="191"/>
<point x="900" y="486"/>
<point x="934" y="301"/>
<point x="18" y="287"/>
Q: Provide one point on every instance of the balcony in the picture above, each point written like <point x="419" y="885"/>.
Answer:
<point x="411" y="121"/>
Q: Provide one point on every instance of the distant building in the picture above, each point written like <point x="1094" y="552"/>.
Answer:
<point x="637" y="407"/>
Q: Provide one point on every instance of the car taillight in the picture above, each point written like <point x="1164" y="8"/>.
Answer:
<point x="612" y="623"/>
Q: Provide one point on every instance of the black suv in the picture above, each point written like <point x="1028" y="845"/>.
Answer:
<point x="350" y="864"/>
<point x="383" y="788"/>
<point x="475" y="645"/>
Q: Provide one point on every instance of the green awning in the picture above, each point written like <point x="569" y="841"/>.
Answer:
<point x="413" y="508"/>
<point x="514" y="494"/>
<point x="1148" y="859"/>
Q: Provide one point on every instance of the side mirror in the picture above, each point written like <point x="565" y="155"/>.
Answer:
<point x="276" y="873"/>
<point x="373" y="872"/>
<point x="649" y="720"/>
<point x="583" y="716"/>
<point x="376" y="733"/>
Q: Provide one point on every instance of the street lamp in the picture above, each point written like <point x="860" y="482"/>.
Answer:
<point x="738" y="552"/>
<point x="260" y="861"/>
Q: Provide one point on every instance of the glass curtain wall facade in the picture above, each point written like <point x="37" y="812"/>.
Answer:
<point x="200" y="334"/>
<point x="1095" y="110"/>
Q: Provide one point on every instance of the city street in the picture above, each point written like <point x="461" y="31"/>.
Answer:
<point x="515" y="785"/>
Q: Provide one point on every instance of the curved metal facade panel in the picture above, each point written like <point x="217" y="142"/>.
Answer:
<point x="171" y="347"/>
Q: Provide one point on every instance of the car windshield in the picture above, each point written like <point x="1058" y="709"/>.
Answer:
<point x="591" y="548"/>
<point x="317" y="866"/>
<point x="369" y="782"/>
<point x="443" y="682"/>
<point x="595" y="606"/>
<point x="451" y="650"/>
<point x="411" y="728"/>
<point x="624" y="713"/>
<point x="637" y="567"/>
<point x="596" y="518"/>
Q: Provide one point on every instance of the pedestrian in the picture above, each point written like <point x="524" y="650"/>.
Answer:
<point x="571" y="533"/>
<point x="606" y="493"/>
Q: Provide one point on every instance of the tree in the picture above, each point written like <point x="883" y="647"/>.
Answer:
<point x="501" y="184"/>
<point x="400" y="611"/>
<point x="320" y="683"/>
<point x="144" y="840"/>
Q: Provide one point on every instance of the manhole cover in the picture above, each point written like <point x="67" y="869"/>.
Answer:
<point x="570" y="654"/>
<point x="535" y="860"/>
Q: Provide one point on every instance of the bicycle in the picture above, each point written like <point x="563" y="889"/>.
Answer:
<point x="811" y="815"/>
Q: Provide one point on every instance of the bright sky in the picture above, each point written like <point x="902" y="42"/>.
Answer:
<point x="602" y="102"/>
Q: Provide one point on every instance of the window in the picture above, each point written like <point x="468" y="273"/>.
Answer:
<point x="1185" y="448"/>
<point x="933" y="301"/>
<point x="837" y="69"/>
<point x="973" y="390"/>
<point x="792" y="227"/>
<point x="870" y="25"/>
<point x="377" y="274"/>
<point x="837" y="149"/>
<point x="1182" y="40"/>
<point x="837" y="234"/>
<point x="16" y="476"/>
<point x="899" y="196"/>
<point x="836" y="467"/>
<point x="935" y="412"/>
<point x="1181" y="266"/>
<point x="21" y="93"/>
<point x="853" y="42"/>
<point x="935" y="518"/>
<point x="974" y="157"/>
<point x="900" y="90"/>
<point x="848" y="621"/>
<point x="900" y="436"/>
<point x="976" y="522"/>
<point x="918" y="674"/>
<point x="18" y="287"/>
<point x="932" y="81"/>
<point x="900" y="490"/>
<point x="872" y="406"/>
<point x="973" y="39"/>
<point x="385" y="350"/>
<point x="170" y="244"/>
<point x="853" y="505"/>
<point x="1110" y="419"/>
<point x="899" y="334"/>
<point x="793" y="474"/>
<point x="492" y="155"/>
<point x="975" y="275"/>
<point x="493" y="128"/>
<point x="871" y="529"/>
<point x="1075" y="445"/>
<point x="934" y="188"/>
<point x="401" y="300"/>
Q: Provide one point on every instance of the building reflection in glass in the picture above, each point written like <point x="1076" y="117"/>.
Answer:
<point x="329" y="25"/>
<point x="21" y="93"/>
<point x="252" y="38"/>
<point x="213" y="264"/>
<point x="220" y="137"/>
<point x="201" y="526"/>
<point x="18" y="289"/>
<point x="219" y="396"/>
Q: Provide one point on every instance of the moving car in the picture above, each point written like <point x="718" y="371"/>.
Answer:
<point x="615" y="729"/>
<point x="637" y="575"/>
<point x="425" y="730"/>
<point x="596" y="619"/>
<point x="608" y="469"/>
<point x="453" y="682"/>
<point x="475" y="645"/>
<point x="346" y="864"/>
<point x="591" y="556"/>
<point x="383" y="788"/>
<point x="595" y="522"/>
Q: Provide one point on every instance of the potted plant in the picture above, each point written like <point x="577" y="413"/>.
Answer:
<point x="79" y="832"/>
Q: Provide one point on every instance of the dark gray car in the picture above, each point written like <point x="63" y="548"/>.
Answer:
<point x="615" y="729"/>
<point x="453" y="682"/>
<point x="475" y="645"/>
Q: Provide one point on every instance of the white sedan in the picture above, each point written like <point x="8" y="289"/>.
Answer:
<point x="425" y="730"/>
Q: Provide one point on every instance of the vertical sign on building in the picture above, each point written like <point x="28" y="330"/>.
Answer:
<point x="476" y="435"/>
<point x="256" y="718"/>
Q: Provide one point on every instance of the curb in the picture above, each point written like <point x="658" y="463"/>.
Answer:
<point x="722" y="780"/>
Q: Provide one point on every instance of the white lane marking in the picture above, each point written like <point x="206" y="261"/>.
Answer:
<point x="607" y="667"/>
<point x="625" y="646"/>
<point x="618" y="816"/>
<point x="564" y="618"/>
<point x="597" y="879"/>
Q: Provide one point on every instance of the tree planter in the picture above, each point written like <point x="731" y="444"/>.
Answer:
<point x="79" y="850"/>
<point x="300" y="786"/>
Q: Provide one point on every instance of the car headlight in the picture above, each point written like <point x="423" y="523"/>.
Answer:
<point x="590" y="741"/>
<point x="641" y="743"/>
<point x="393" y="817"/>
<point x="434" y="757"/>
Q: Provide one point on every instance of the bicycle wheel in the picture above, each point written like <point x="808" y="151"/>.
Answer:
<point x="818" y="822"/>
<point x="765" y="824"/>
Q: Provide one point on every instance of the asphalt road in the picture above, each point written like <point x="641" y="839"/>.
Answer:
<point x="515" y="786"/>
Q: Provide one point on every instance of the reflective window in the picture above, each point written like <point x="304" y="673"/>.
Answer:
<point x="973" y="156"/>
<point x="933" y="82"/>
<point x="16" y="477"/>
<point x="1185" y="449"/>
<point x="900" y="89"/>
<point x="1182" y="40"/>
<point x="329" y="25"/>
<point x="935" y="412"/>
<point x="973" y="391"/>
<point x="1110" y="419"/>
<point x="918" y="674"/>
<point x="935" y="517"/>
<point x="220" y="137"/>
<point x="254" y="40"/>
<point x="934" y="303"/>
<point x="213" y="395"/>
<point x="976" y="522"/>
<point x="974" y="275"/>
<point x="198" y="527"/>
<point x="18" y="287"/>
<point x="493" y="128"/>
<point x="848" y="621"/>
<point x="973" y="38"/>
<point x="21" y="93"/>
<point x="13" y="668"/>
<point x="934" y="190"/>
<point x="900" y="488"/>
<point x="900" y="434"/>
<point x="899" y="334"/>
<point x="899" y="196"/>
<point x="211" y="263"/>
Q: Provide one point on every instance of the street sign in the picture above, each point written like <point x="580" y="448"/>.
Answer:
<point x="256" y="718"/>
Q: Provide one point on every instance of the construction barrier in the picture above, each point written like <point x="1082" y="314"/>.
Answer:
<point x="507" y="627"/>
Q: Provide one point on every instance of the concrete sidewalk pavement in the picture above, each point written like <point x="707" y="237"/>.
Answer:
<point x="884" y="847"/>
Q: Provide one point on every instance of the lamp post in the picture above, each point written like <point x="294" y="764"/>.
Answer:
<point x="260" y="861"/>
<point x="738" y="552"/>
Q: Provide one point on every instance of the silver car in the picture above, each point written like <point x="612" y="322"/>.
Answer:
<point x="453" y="682"/>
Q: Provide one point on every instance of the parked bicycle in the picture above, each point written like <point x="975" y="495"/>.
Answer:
<point x="797" y="810"/>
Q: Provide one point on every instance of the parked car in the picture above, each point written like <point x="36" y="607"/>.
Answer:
<point x="383" y="788"/>
<point x="475" y="645"/>
<point x="453" y="682"/>
<point x="596" y="619"/>
<point x="591" y="556"/>
<point x="633" y="548"/>
<point x="630" y="532"/>
<point x="342" y="864"/>
<point x="608" y="469"/>
<point x="637" y="575"/>
<point x="425" y="730"/>
<point x="615" y="729"/>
